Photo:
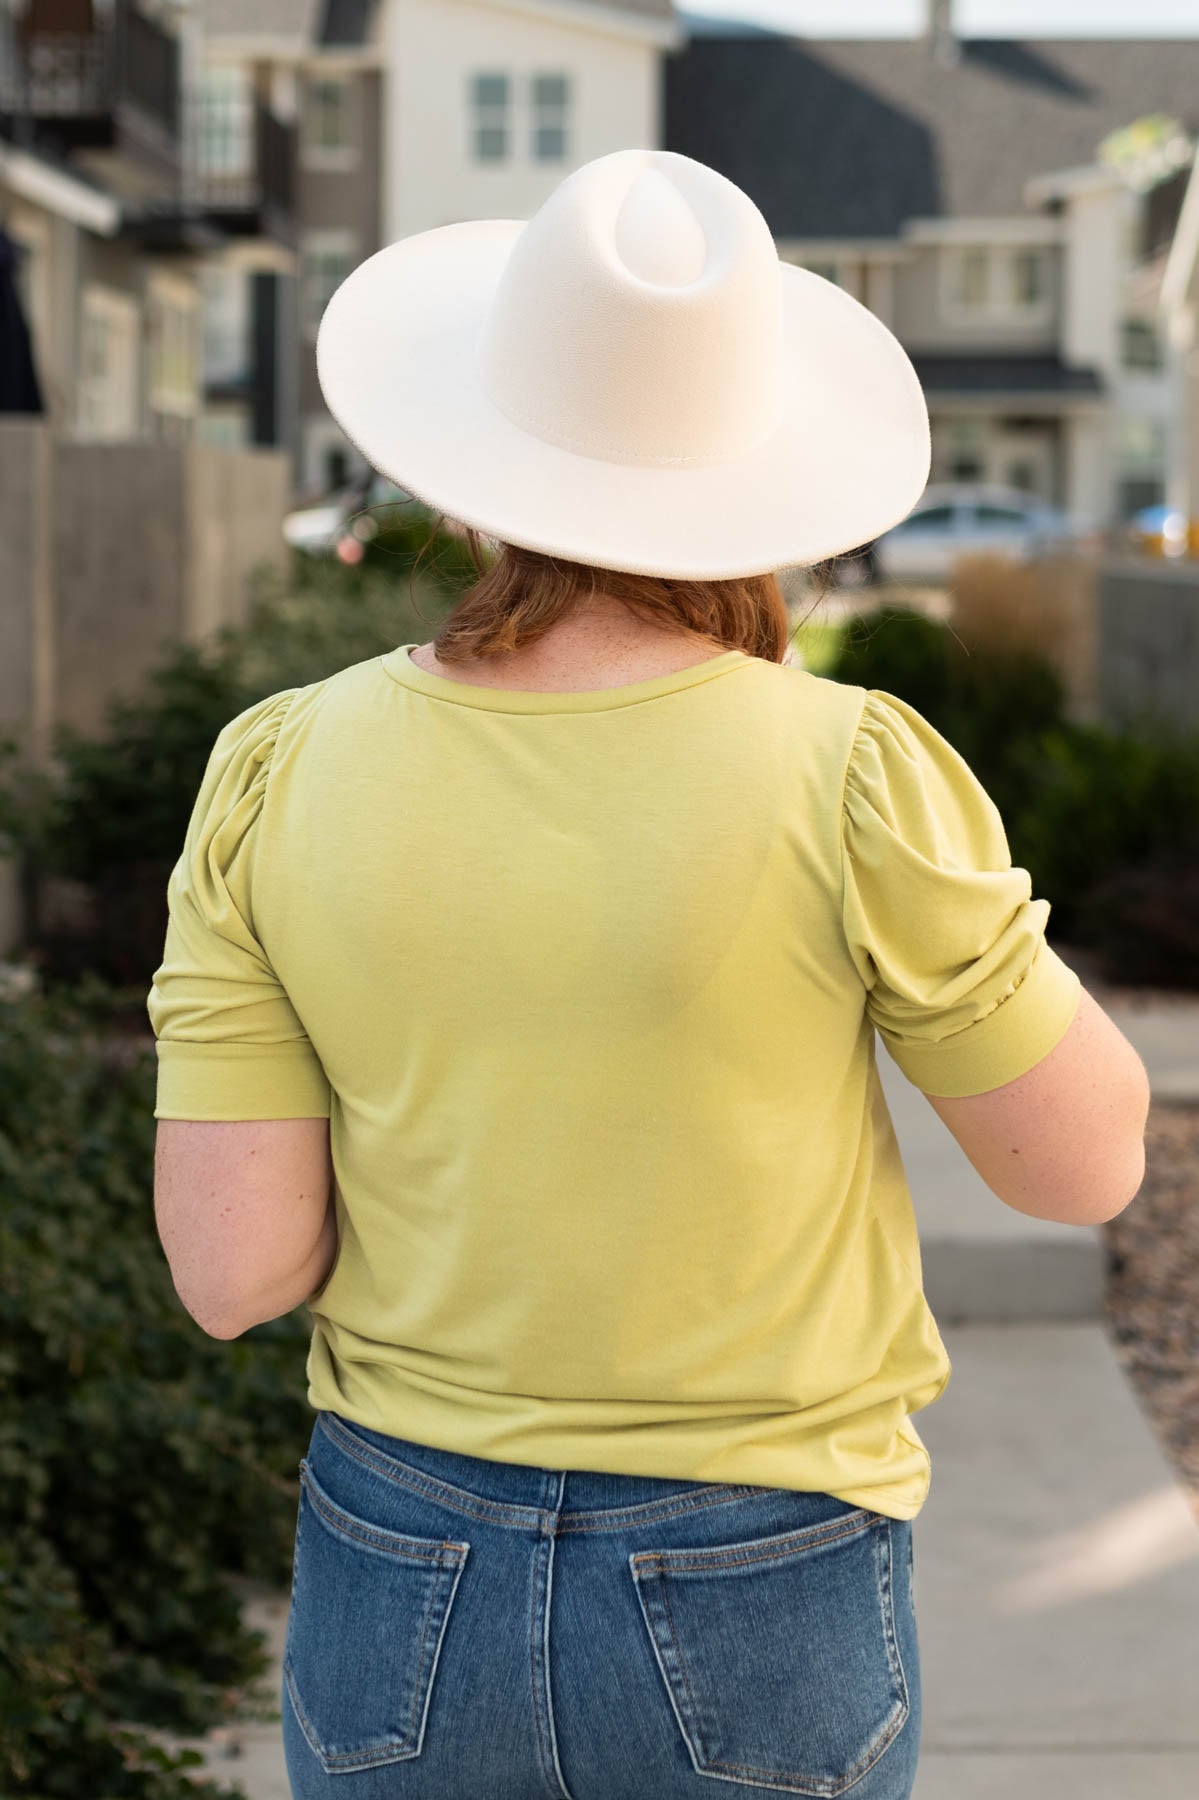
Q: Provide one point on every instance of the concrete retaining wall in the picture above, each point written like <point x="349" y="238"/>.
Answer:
<point x="109" y="554"/>
<point x="1148" y="629"/>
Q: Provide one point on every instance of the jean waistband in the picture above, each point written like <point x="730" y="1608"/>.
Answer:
<point x="512" y="1485"/>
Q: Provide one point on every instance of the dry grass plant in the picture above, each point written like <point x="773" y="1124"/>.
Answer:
<point x="1046" y="607"/>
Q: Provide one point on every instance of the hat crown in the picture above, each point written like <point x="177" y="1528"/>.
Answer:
<point x="639" y="316"/>
<point x="657" y="235"/>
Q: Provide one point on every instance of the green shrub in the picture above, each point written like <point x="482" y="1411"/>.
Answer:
<point x="980" y="701"/>
<point x="140" y="1461"/>
<point x="1098" y="815"/>
<point x="398" y="536"/>
<point x="1106" y="822"/>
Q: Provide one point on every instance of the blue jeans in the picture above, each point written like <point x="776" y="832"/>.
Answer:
<point x="470" y="1630"/>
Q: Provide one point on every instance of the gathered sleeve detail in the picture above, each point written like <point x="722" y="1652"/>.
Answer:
<point x="960" y="982"/>
<point x="229" y="1042"/>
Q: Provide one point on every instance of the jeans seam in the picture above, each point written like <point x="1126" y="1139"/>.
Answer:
<point x="456" y="1499"/>
<point x="794" y="1541"/>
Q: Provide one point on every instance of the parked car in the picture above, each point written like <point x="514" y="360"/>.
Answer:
<point x="342" y="517"/>
<point x="952" y="521"/>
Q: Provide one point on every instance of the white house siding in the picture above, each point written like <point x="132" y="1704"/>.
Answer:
<point x="925" y="320"/>
<point x="432" y="48"/>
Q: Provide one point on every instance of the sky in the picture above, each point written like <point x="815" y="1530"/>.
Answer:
<point x="973" y="18"/>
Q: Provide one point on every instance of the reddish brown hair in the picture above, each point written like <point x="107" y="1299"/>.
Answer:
<point x="521" y="593"/>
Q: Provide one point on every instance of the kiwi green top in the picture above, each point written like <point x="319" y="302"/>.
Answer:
<point x="587" y="985"/>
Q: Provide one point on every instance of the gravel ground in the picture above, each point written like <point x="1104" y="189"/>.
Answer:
<point x="1151" y="1304"/>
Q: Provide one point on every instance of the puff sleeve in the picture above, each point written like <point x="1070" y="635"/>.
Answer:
<point x="961" y="984"/>
<point x="228" y="1041"/>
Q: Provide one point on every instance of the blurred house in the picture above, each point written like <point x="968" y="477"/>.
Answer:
<point x="966" y="191"/>
<point x="1180" y="301"/>
<point x="91" y="167"/>
<point x="404" y="115"/>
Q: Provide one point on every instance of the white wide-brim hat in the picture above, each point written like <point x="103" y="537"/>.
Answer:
<point x="630" y="378"/>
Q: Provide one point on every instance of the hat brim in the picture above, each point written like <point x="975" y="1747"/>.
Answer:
<point x="396" y="359"/>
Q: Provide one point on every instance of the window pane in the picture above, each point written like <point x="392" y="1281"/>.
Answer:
<point x="491" y="90"/>
<point x="971" y="278"/>
<point x="489" y="123"/>
<point x="325" y="270"/>
<point x="1000" y="515"/>
<point x="1028" y="277"/>
<point x="1141" y="346"/>
<point x="224" y="121"/>
<point x="328" y="114"/>
<point x="491" y="143"/>
<point x="549" y="90"/>
<point x="551" y="98"/>
<point x="1141" y="442"/>
<point x="549" y="143"/>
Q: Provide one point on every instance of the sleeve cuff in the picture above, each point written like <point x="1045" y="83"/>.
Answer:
<point x="1007" y="1042"/>
<point x="240" y="1081"/>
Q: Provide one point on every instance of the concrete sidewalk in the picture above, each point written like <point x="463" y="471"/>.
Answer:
<point x="1057" y="1580"/>
<point x="1057" y="1556"/>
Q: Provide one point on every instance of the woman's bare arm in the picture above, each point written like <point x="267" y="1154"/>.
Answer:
<point x="1066" y="1141"/>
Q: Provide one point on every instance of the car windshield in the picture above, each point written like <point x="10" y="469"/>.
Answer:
<point x="1001" y="515"/>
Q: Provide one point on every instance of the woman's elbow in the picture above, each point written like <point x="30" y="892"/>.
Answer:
<point x="218" y="1316"/>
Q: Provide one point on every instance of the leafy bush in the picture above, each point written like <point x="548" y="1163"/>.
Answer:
<point x="981" y="701"/>
<point x="1106" y="822"/>
<point x="139" y="1460"/>
<point x="401" y="535"/>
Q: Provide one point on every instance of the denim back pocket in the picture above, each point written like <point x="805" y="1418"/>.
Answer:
<point x="369" y="1610"/>
<point x="779" y="1655"/>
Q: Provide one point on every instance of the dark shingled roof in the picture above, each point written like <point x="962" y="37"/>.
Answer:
<point x="349" y="21"/>
<point x="345" y="22"/>
<point x="852" y="138"/>
<point x="1011" y="375"/>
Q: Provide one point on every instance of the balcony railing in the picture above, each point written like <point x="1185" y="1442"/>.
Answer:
<point x="245" y="160"/>
<point x="77" y="81"/>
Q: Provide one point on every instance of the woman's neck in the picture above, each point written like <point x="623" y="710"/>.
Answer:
<point x="599" y="645"/>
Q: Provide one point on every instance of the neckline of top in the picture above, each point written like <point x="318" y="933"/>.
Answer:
<point x="399" y="665"/>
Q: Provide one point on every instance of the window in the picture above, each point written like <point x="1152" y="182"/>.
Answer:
<point x="226" y="326"/>
<point x="1135" y="492"/>
<point x="224" y="120"/>
<point x="828" y="271"/>
<point x="489" y="112"/>
<point x="1141" y="450"/>
<point x="967" y="450"/>
<point x="1000" y="518"/>
<point x="225" y="428"/>
<point x="970" y="279"/>
<point x="328" y="122"/>
<point x="551" y="99"/>
<point x="1027" y="277"/>
<point x="110" y="332"/>
<point x="986" y="282"/>
<point x="1023" y="475"/>
<point x="1140" y="344"/>
<point x="328" y="259"/>
<point x="173" y="345"/>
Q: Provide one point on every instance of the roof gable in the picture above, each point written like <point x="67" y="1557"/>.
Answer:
<point x="851" y="138"/>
